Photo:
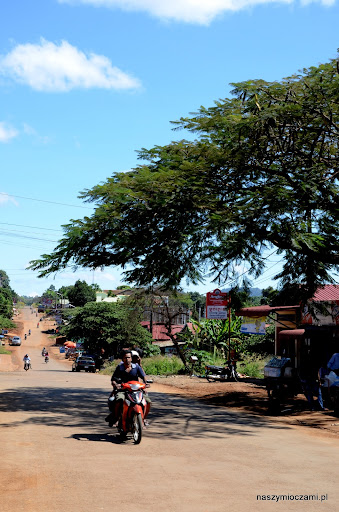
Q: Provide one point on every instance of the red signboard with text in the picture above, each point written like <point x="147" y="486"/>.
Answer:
<point x="216" y="304"/>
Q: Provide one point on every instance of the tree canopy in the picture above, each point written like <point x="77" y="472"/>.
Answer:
<point x="81" y="293"/>
<point x="7" y="295"/>
<point x="261" y="175"/>
<point x="111" y="326"/>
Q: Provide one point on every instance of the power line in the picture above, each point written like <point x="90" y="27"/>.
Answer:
<point x="44" y="201"/>
<point x="3" y="233"/>
<point x="3" y="242"/>
<point x="249" y="269"/>
<point x="32" y="227"/>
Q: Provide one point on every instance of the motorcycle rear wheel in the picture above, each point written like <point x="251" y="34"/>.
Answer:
<point x="137" y="428"/>
<point x="209" y="377"/>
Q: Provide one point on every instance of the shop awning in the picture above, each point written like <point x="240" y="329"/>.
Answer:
<point x="291" y="333"/>
<point x="265" y="310"/>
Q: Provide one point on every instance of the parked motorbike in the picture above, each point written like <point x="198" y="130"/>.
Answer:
<point x="222" y="373"/>
<point x="133" y="411"/>
<point x="27" y="365"/>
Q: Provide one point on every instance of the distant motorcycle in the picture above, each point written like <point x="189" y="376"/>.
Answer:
<point x="222" y="373"/>
<point x="46" y="359"/>
<point x="27" y="365"/>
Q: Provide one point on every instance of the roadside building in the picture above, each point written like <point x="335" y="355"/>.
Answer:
<point x="304" y="327"/>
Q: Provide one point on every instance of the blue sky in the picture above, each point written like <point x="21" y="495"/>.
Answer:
<point x="86" y="83"/>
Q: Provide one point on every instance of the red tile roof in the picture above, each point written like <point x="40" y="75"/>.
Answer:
<point x="326" y="293"/>
<point x="160" y="331"/>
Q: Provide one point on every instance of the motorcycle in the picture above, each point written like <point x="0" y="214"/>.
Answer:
<point x="222" y="373"/>
<point x="46" y="359"/>
<point x="25" y="336"/>
<point x="27" y="365"/>
<point x="132" y="418"/>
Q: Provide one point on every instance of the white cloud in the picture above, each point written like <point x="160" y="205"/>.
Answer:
<point x="190" y="11"/>
<point x="7" y="132"/>
<point x="6" y="198"/>
<point x="60" y="68"/>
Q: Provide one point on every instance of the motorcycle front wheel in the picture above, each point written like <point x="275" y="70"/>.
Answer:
<point x="137" y="428"/>
<point x="235" y="376"/>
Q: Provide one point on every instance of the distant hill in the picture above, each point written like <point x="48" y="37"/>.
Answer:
<point x="255" y="292"/>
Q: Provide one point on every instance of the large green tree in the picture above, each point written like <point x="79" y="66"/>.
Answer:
<point x="261" y="175"/>
<point x="81" y="293"/>
<point x="7" y="296"/>
<point x="111" y="326"/>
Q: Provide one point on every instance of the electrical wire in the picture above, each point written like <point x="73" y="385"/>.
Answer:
<point x="45" y="201"/>
<point x="31" y="227"/>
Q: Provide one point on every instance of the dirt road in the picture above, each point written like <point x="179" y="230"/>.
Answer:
<point x="58" y="455"/>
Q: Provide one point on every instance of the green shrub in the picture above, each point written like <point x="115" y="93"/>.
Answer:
<point x="253" y="366"/>
<point x="162" y="365"/>
<point x="157" y="365"/>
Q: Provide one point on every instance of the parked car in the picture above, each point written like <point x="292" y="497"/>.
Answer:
<point x="83" y="363"/>
<point x="16" y="340"/>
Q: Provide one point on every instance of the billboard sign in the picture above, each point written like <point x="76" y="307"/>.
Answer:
<point x="253" y="325"/>
<point x="216" y="305"/>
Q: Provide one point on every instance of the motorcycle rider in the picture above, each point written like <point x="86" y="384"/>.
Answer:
<point x="43" y="352"/>
<point x="27" y="360"/>
<point x="125" y="372"/>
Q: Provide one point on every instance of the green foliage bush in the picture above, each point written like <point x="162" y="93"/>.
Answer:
<point x="253" y="366"/>
<point x="6" y="323"/>
<point x="162" y="365"/>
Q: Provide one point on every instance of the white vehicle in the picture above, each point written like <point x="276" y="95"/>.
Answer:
<point x="16" y="340"/>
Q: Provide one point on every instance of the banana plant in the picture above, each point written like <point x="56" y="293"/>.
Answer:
<point x="216" y="333"/>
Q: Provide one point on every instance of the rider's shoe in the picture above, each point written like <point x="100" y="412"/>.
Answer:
<point x="110" y="419"/>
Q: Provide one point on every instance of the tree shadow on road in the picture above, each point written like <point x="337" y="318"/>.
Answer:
<point x="173" y="417"/>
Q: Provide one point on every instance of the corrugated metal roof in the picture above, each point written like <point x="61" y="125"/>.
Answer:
<point x="326" y="293"/>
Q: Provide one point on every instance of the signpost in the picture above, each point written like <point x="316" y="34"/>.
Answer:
<point x="217" y="303"/>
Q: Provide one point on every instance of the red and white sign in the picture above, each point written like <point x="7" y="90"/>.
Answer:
<point x="216" y="304"/>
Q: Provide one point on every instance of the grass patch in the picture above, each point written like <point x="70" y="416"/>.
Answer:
<point x="162" y="365"/>
<point x="4" y="350"/>
<point x="157" y="365"/>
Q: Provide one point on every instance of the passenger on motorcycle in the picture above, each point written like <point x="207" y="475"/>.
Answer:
<point x="125" y="372"/>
